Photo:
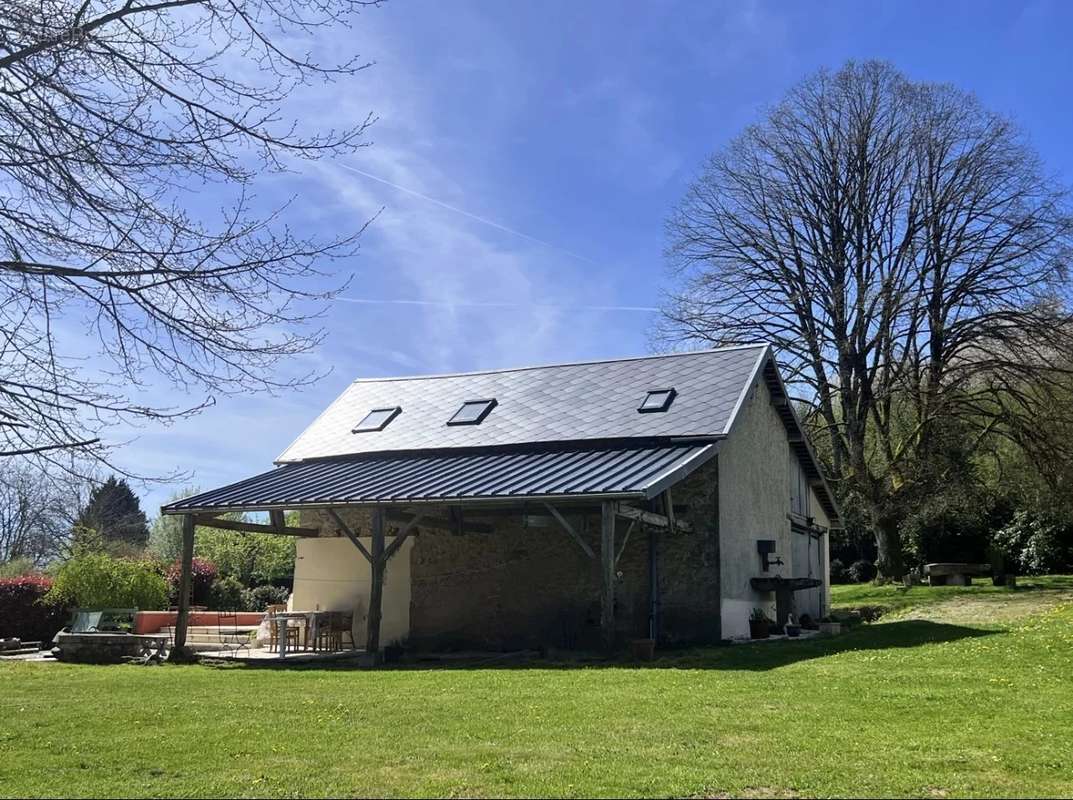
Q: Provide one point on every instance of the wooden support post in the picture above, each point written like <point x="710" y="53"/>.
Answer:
<point x="653" y="584"/>
<point x="353" y="537"/>
<point x="570" y="529"/>
<point x="607" y="572"/>
<point x="400" y="538"/>
<point x="178" y="648"/>
<point x="625" y="540"/>
<point x="668" y="510"/>
<point x="376" y="594"/>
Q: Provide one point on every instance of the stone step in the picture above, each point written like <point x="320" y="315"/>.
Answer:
<point x="203" y="647"/>
<point x="218" y="639"/>
<point x="21" y="651"/>
<point x="210" y="629"/>
<point x="21" y="646"/>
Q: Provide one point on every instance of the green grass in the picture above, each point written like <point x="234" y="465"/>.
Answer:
<point x="1033" y="593"/>
<point x="914" y="706"/>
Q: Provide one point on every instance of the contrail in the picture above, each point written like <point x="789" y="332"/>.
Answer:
<point x="448" y="304"/>
<point x="474" y="217"/>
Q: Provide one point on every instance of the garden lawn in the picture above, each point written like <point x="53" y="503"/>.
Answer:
<point x="904" y="707"/>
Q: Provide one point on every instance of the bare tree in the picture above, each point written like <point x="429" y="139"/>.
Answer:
<point x="37" y="512"/>
<point x="115" y="115"/>
<point x="904" y="251"/>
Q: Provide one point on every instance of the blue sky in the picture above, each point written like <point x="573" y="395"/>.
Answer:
<point x="525" y="159"/>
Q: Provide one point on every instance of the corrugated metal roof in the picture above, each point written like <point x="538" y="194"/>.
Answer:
<point x="618" y="470"/>
<point x="566" y="402"/>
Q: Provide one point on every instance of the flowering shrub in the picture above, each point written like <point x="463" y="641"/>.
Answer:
<point x="861" y="571"/>
<point x="262" y="597"/>
<point x="1038" y="543"/>
<point x="22" y="612"/>
<point x="100" y="581"/>
<point x="202" y="575"/>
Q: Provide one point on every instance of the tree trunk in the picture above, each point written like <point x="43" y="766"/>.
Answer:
<point x="889" y="561"/>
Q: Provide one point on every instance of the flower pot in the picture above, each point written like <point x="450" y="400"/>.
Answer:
<point x="759" y="629"/>
<point x="793" y="630"/>
<point x="830" y="628"/>
<point x="643" y="649"/>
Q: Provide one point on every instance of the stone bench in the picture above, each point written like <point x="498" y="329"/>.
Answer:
<point x="954" y="574"/>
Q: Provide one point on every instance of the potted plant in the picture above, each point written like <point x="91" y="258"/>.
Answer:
<point x="759" y="624"/>
<point x="791" y="628"/>
<point x="830" y="627"/>
<point x="643" y="649"/>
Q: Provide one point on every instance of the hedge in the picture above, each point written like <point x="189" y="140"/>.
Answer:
<point x="100" y="581"/>
<point x="23" y="615"/>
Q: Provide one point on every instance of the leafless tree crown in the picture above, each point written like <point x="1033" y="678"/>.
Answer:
<point x="901" y="247"/>
<point x="115" y="115"/>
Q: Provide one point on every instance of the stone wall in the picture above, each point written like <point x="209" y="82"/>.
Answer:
<point x="529" y="586"/>
<point x="754" y="503"/>
<point x="758" y="473"/>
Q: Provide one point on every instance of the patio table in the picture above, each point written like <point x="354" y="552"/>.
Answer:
<point x="280" y="620"/>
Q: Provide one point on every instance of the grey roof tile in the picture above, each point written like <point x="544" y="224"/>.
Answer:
<point x="565" y="402"/>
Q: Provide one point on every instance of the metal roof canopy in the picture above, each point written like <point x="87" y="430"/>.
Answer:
<point x="570" y="472"/>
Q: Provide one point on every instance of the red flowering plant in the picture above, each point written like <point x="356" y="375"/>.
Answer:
<point x="202" y="574"/>
<point x="23" y="615"/>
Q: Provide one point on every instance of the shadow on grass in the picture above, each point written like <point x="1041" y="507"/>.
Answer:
<point x="760" y="656"/>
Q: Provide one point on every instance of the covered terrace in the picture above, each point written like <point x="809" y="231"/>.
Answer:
<point x="628" y="483"/>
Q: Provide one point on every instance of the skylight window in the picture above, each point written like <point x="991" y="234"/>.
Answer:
<point x="657" y="400"/>
<point x="377" y="419"/>
<point x="472" y="412"/>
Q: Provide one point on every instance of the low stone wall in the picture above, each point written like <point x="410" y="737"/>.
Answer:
<point x="153" y="621"/>
<point x="102" y="648"/>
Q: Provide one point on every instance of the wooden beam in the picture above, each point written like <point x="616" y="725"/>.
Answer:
<point x="440" y="524"/>
<point x="570" y="529"/>
<point x="668" y="509"/>
<point x="654" y="519"/>
<point x="607" y="573"/>
<point x="209" y="521"/>
<point x="353" y="537"/>
<point x="626" y="538"/>
<point x="401" y="537"/>
<point x="178" y="647"/>
<point x="376" y="592"/>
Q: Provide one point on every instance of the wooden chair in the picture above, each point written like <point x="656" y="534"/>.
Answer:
<point x="293" y="631"/>
<point x="339" y="625"/>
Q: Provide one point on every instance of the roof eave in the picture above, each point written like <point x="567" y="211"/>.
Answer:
<point x="399" y="502"/>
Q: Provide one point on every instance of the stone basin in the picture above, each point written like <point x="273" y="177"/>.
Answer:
<point x="779" y="584"/>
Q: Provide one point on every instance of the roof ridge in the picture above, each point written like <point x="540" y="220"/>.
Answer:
<point x="531" y="367"/>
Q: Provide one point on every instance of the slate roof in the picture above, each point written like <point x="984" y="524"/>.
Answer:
<point x="566" y="402"/>
<point x="635" y="471"/>
<point x="566" y="430"/>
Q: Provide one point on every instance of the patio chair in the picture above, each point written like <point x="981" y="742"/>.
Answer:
<point x="340" y="624"/>
<point x="293" y="631"/>
<point x="228" y="632"/>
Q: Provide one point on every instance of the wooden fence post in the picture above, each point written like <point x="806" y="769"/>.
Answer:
<point x="607" y="572"/>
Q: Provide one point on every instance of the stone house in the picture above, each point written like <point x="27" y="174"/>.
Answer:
<point x="661" y="497"/>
